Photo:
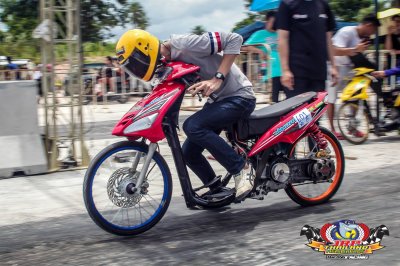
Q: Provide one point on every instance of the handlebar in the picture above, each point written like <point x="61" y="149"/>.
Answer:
<point x="193" y="81"/>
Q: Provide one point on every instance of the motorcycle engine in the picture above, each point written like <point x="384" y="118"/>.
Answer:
<point x="322" y="169"/>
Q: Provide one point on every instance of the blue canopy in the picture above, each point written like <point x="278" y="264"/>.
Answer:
<point x="262" y="5"/>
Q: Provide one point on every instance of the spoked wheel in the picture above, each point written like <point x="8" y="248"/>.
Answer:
<point x="353" y="123"/>
<point x="312" y="193"/>
<point x="111" y="196"/>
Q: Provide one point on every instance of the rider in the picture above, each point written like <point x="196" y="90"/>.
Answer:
<point x="139" y="53"/>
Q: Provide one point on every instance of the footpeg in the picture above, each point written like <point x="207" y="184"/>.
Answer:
<point x="223" y="194"/>
<point x="209" y="184"/>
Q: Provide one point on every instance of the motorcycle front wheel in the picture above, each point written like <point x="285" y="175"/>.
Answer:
<point x="109" y="183"/>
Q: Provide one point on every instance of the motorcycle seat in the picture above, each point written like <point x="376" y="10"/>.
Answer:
<point x="261" y="120"/>
<point x="283" y="107"/>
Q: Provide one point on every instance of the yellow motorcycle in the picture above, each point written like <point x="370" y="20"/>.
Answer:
<point x="355" y="120"/>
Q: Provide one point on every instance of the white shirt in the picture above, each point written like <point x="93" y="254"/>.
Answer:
<point x="346" y="37"/>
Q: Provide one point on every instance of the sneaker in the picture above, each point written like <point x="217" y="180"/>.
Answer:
<point x="356" y="133"/>
<point x="243" y="183"/>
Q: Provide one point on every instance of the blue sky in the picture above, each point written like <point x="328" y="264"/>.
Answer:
<point x="181" y="16"/>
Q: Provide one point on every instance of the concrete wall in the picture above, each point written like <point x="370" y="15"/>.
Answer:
<point x="21" y="147"/>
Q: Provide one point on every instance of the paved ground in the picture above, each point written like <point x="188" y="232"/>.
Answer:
<point x="43" y="220"/>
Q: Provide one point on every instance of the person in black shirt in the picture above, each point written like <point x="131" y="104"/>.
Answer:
<point x="305" y="30"/>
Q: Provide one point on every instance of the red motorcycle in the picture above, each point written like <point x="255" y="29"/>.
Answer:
<point x="128" y="186"/>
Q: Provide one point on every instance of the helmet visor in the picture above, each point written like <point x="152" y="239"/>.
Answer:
<point x="137" y="64"/>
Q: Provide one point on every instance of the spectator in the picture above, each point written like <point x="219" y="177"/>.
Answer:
<point x="37" y="75"/>
<point x="304" y="40"/>
<point x="105" y="74"/>
<point x="13" y="73"/>
<point x="392" y="40"/>
<point x="348" y="42"/>
<point x="270" y="37"/>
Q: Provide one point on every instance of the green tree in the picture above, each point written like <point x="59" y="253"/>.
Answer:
<point x="20" y="16"/>
<point x="347" y="10"/>
<point x="137" y="16"/>
<point x="251" y="17"/>
<point x="198" y="30"/>
<point x="98" y="17"/>
<point x="382" y="5"/>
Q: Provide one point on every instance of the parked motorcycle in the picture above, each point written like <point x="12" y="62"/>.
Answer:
<point x="128" y="186"/>
<point x="355" y="120"/>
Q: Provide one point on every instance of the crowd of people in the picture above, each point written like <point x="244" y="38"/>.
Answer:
<point x="305" y="45"/>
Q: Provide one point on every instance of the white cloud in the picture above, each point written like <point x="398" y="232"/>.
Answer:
<point x="181" y="16"/>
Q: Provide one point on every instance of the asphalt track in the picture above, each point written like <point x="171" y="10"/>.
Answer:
<point x="44" y="223"/>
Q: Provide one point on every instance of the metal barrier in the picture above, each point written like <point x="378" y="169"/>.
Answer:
<point x="17" y="74"/>
<point x="257" y="70"/>
<point x="112" y="81"/>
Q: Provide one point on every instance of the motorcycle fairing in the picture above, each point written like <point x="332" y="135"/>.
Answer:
<point x="145" y="118"/>
<point x="356" y="89"/>
<point x="292" y="126"/>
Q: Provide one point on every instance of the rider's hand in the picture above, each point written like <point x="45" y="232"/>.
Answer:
<point x="334" y="76"/>
<point x="206" y="87"/>
<point x="287" y="79"/>
<point x="378" y="74"/>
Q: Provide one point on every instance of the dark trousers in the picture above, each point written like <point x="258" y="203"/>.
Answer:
<point x="203" y="129"/>
<point x="302" y="85"/>
<point x="276" y="88"/>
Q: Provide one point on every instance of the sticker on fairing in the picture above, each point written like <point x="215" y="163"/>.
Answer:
<point x="303" y="117"/>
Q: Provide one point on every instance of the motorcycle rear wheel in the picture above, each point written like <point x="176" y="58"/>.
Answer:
<point x="311" y="194"/>
<point x="110" y="178"/>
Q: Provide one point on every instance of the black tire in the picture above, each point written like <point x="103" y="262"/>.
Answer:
<point x="333" y="188"/>
<point x="94" y="213"/>
<point x="344" y="130"/>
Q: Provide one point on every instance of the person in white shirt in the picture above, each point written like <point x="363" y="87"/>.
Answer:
<point x="349" y="41"/>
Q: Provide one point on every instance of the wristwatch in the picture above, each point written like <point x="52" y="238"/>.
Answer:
<point x="220" y="76"/>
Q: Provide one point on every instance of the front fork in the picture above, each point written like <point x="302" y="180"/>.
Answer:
<point x="147" y="161"/>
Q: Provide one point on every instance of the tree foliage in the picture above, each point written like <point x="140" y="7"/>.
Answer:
<point x="19" y="21"/>
<point x="198" y="30"/>
<point x="251" y="17"/>
<point x="136" y="16"/>
<point x="98" y="17"/>
<point x="348" y="10"/>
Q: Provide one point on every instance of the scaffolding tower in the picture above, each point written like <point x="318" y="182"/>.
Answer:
<point x="63" y="114"/>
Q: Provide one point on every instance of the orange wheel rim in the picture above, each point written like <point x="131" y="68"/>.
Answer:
<point x="336" y="179"/>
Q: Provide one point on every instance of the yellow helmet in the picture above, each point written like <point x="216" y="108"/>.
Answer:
<point x="138" y="53"/>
